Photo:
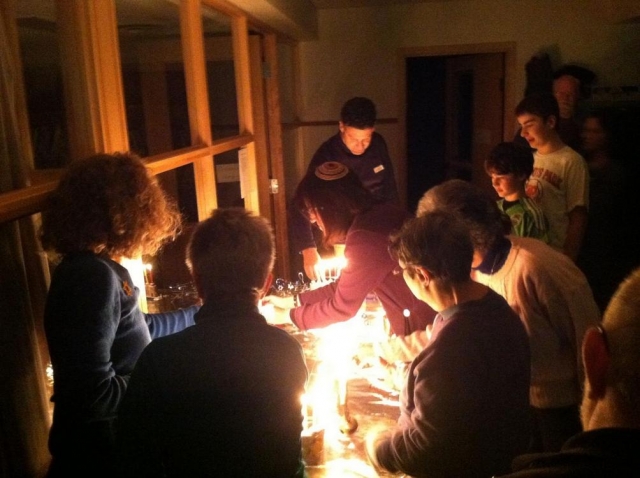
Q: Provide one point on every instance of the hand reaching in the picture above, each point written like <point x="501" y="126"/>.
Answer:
<point x="311" y="258"/>
<point x="276" y="309"/>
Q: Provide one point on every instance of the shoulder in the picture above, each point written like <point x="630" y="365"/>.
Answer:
<point x="382" y="218"/>
<point x="378" y="138"/>
<point x="88" y="267"/>
<point x="330" y="144"/>
<point x="550" y="269"/>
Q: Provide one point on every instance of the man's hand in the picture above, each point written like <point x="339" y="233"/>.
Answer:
<point x="311" y="258"/>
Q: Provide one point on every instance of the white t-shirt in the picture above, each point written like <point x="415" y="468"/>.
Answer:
<point x="559" y="183"/>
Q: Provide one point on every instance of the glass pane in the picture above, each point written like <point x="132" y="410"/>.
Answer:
<point x="180" y="184"/>
<point x="221" y="80"/>
<point x="228" y="179"/>
<point x="40" y="55"/>
<point x="153" y="76"/>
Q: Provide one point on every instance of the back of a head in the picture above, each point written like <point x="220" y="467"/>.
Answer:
<point x="621" y="321"/>
<point x="469" y="204"/>
<point x="358" y="113"/>
<point x="231" y="253"/>
<point x="543" y="105"/>
<point x="109" y="204"/>
<point x="510" y="158"/>
<point x="438" y="242"/>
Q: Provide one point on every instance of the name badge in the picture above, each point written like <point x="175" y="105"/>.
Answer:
<point x="378" y="168"/>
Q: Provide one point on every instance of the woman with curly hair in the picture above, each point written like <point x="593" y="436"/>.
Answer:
<point x="106" y="207"/>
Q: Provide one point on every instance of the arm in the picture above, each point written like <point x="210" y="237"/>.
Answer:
<point x="368" y="263"/>
<point x="85" y="306"/>
<point x="577" y="197"/>
<point x="578" y="218"/>
<point x="167" y="323"/>
<point x="438" y="407"/>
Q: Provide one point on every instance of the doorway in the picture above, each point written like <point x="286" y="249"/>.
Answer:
<point x="455" y="107"/>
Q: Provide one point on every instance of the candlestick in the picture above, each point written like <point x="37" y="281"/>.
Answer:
<point x="148" y="273"/>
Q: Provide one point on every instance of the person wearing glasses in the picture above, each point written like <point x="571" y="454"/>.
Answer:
<point x="464" y="411"/>
<point x="335" y="200"/>
<point x="610" y="409"/>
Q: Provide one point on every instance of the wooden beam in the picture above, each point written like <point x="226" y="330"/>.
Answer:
<point x="198" y="103"/>
<point x="274" y="118"/>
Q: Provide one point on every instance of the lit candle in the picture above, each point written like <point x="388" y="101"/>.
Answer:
<point x="148" y="273"/>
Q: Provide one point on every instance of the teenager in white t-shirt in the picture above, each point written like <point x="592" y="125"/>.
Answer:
<point x="560" y="178"/>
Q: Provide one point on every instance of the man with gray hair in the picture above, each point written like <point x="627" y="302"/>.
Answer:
<point x="610" y="409"/>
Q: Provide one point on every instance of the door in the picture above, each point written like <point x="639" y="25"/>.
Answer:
<point x="455" y="105"/>
<point x="474" y="108"/>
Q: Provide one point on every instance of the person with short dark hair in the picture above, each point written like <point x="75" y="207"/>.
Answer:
<point x="610" y="409"/>
<point x="560" y="179"/>
<point x="359" y="147"/>
<point x="509" y="166"/>
<point x="335" y="200"/>
<point x="464" y="410"/>
<point x="105" y="208"/>
<point x="221" y="398"/>
<point x="546" y="289"/>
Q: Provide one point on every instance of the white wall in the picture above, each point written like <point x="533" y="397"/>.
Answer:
<point x="356" y="53"/>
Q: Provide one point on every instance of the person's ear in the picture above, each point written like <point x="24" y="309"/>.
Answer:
<point x="267" y="285"/>
<point x="596" y="359"/>
<point x="423" y="275"/>
<point x="341" y="126"/>
<point x="552" y="121"/>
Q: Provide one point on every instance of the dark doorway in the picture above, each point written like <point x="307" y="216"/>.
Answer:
<point x="454" y="116"/>
<point x="426" y="81"/>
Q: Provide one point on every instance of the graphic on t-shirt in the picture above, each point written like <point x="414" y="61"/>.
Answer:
<point x="534" y="190"/>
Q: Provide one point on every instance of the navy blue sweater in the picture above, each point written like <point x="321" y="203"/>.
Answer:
<point x="95" y="332"/>
<point x="373" y="167"/>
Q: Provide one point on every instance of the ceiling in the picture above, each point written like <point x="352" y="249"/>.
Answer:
<point x="323" y="4"/>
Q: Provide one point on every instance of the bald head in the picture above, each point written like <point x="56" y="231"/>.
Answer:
<point x="612" y="362"/>
<point x="566" y="89"/>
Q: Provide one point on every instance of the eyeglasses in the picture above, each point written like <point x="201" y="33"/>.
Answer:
<point x="311" y="212"/>
<point x="400" y="270"/>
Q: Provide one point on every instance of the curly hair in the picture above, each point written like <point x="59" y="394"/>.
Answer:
<point x="510" y="158"/>
<point x="109" y="204"/>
